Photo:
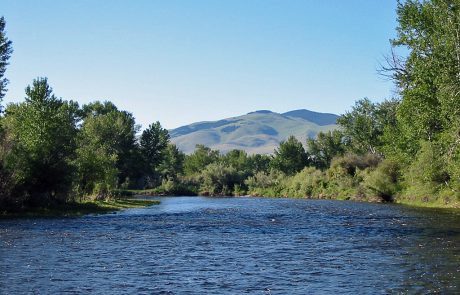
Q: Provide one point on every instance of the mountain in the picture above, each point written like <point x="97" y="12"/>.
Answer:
<point x="256" y="132"/>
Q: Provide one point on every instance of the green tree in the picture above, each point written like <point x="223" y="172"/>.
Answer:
<point x="429" y="79"/>
<point x="199" y="159"/>
<point x="290" y="157"/>
<point x="427" y="137"/>
<point x="325" y="147"/>
<point x="107" y="149"/>
<point x="219" y="179"/>
<point x="42" y="131"/>
<point x="6" y="180"/>
<point x="259" y="163"/>
<point x="239" y="160"/>
<point x="98" y="108"/>
<point x="173" y="162"/>
<point x="96" y="159"/>
<point x="154" y="148"/>
<point x="6" y="50"/>
<point x="364" y="125"/>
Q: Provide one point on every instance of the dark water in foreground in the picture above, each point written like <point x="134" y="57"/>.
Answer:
<point x="233" y="246"/>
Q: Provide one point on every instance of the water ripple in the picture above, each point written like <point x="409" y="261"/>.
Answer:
<point x="233" y="246"/>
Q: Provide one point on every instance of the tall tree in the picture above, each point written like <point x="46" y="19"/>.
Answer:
<point x="290" y="157"/>
<point x="42" y="131"/>
<point x="363" y="127"/>
<point x="199" y="159"/>
<point x="325" y="147"/>
<point x="154" y="142"/>
<point x="107" y="148"/>
<point x="173" y="162"/>
<point x="6" y="50"/>
<point x="429" y="85"/>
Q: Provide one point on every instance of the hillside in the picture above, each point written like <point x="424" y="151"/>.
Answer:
<point x="256" y="132"/>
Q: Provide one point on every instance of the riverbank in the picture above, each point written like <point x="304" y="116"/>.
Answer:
<point x="439" y="202"/>
<point x="435" y="203"/>
<point x="81" y="208"/>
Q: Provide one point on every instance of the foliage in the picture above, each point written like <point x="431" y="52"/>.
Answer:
<point x="384" y="181"/>
<point x="290" y="157"/>
<point x="269" y="184"/>
<point x="6" y="50"/>
<point x="325" y="147"/>
<point x="106" y="153"/>
<point x="309" y="182"/>
<point x="199" y="159"/>
<point x="42" y="132"/>
<point x="172" y="165"/>
<point x="154" y="142"/>
<point x="364" y="125"/>
<point x="259" y="163"/>
<point x="425" y="177"/>
<point x="219" y="179"/>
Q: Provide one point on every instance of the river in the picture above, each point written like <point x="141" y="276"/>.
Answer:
<point x="197" y="245"/>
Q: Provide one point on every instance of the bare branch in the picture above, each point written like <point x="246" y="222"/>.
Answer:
<point x="393" y="67"/>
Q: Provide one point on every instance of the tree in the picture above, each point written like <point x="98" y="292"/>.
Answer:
<point x="107" y="150"/>
<point x="96" y="160"/>
<point x="42" y="131"/>
<point x="364" y="125"/>
<point x="154" y="143"/>
<point x="6" y="179"/>
<point x="239" y="160"/>
<point x="199" y="159"/>
<point x="219" y="179"/>
<point x="428" y="80"/>
<point x="173" y="162"/>
<point x="6" y="50"/>
<point x="98" y="108"/>
<point x="325" y="147"/>
<point x="259" y="163"/>
<point x="290" y="157"/>
<point x="430" y="83"/>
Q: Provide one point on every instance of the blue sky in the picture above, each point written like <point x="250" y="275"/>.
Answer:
<point x="184" y="61"/>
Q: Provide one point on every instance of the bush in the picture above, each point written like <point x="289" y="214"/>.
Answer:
<point x="384" y="180"/>
<point x="219" y="179"/>
<point x="309" y="182"/>
<point x="266" y="184"/>
<point x="425" y="177"/>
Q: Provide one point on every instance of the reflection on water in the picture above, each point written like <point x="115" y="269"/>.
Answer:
<point x="235" y="245"/>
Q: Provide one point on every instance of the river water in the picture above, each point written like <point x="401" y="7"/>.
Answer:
<point x="195" y="245"/>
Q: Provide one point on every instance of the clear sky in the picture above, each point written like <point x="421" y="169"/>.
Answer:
<point x="184" y="61"/>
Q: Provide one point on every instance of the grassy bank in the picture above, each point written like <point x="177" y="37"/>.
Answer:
<point x="438" y="203"/>
<point x="81" y="208"/>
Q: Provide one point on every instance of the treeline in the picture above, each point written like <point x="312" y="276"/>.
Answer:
<point x="406" y="149"/>
<point x="53" y="151"/>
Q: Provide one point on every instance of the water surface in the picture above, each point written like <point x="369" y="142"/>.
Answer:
<point x="195" y="245"/>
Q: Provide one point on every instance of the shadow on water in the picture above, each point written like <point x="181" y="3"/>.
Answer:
<point x="236" y="245"/>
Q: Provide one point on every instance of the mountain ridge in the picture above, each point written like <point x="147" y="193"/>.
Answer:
<point x="260" y="131"/>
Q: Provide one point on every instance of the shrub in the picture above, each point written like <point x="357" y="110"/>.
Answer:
<point x="309" y="182"/>
<point x="384" y="180"/>
<point x="426" y="176"/>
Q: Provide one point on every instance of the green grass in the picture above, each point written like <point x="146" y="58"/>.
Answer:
<point x="81" y="208"/>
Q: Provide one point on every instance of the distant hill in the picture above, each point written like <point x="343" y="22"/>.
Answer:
<point x="256" y="132"/>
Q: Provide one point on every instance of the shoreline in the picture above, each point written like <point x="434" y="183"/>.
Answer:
<point x="78" y="209"/>
<point x="438" y="204"/>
